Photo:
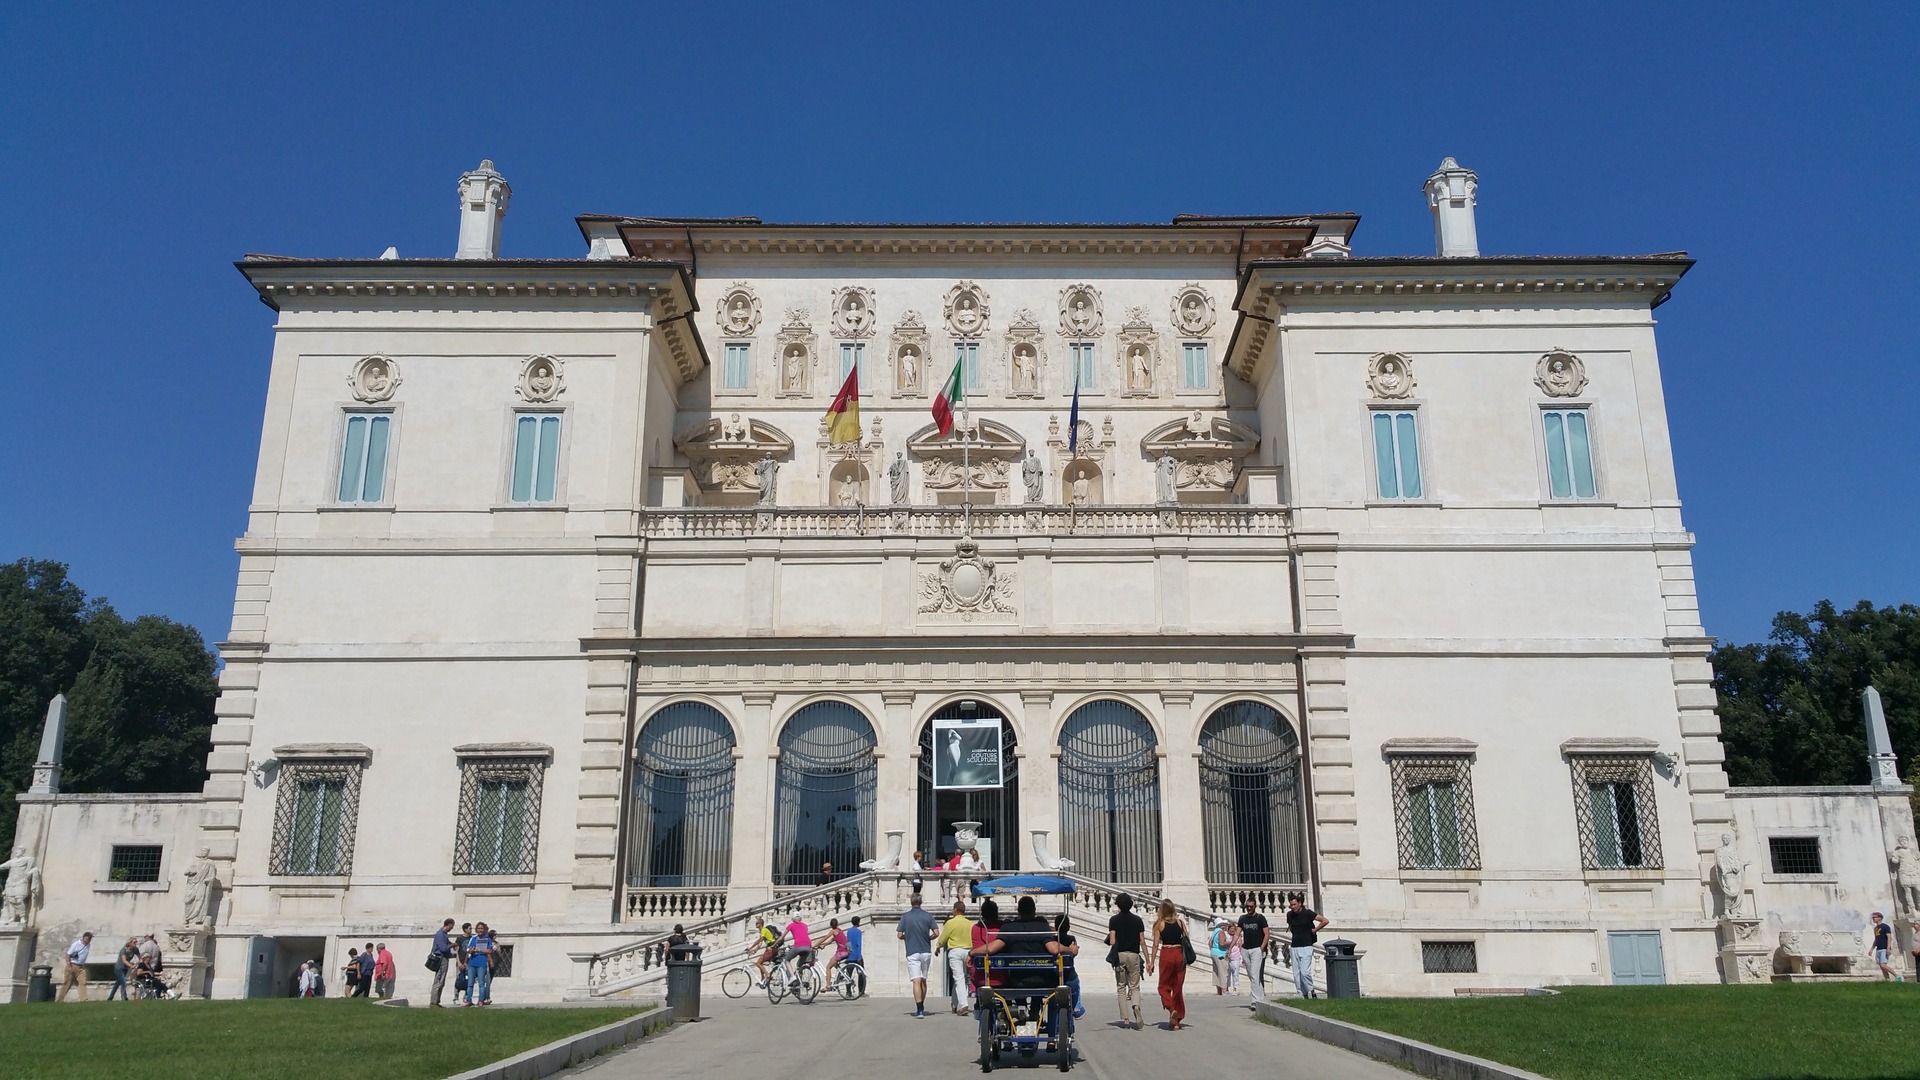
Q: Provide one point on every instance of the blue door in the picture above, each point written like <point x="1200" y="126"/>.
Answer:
<point x="1636" y="958"/>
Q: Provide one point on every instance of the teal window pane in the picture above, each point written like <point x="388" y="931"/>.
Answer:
<point x="1196" y="365"/>
<point x="737" y="372"/>
<point x="1580" y="455"/>
<point x="1606" y="832"/>
<point x="1385" y="468"/>
<point x="1407" y="443"/>
<point x="1446" y="825"/>
<point x="526" y="446"/>
<point x="549" y="467"/>
<point x="1083" y="365"/>
<point x="376" y="471"/>
<point x="353" y="454"/>
<point x="968" y="353"/>
<point x="1559" y="483"/>
<point x="1420" y="800"/>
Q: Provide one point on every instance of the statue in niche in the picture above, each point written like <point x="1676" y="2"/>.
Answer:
<point x="1026" y="370"/>
<point x="23" y="888"/>
<point x="909" y="369"/>
<point x="1031" y="472"/>
<point x="378" y="378"/>
<point x="849" y="491"/>
<point x="1906" y="876"/>
<point x="1163" y="478"/>
<point x="794" y="374"/>
<point x="1081" y="319"/>
<point x="739" y="316"/>
<point x="897" y="479"/>
<point x="202" y="879"/>
<point x="1080" y="487"/>
<point x="966" y="318"/>
<point x="1139" y="369"/>
<point x="734" y="430"/>
<point x="1191" y="315"/>
<point x="1728" y="876"/>
<point x="768" y="473"/>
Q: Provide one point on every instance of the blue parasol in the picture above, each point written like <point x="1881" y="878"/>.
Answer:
<point x="1023" y="885"/>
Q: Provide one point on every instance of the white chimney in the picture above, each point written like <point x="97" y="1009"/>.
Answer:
<point x="483" y="203"/>
<point x="1451" y="193"/>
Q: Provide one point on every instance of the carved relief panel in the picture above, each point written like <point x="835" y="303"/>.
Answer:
<point x="967" y="588"/>
<point x="1081" y="466"/>
<point x="853" y="312"/>
<point x="542" y="379"/>
<point x="739" y="311"/>
<point x="1560" y="374"/>
<point x="1139" y="354"/>
<point x="1205" y="453"/>
<point x="1026" y="355"/>
<point x="729" y="456"/>
<point x="1080" y="315"/>
<point x="1193" y="312"/>
<point x="908" y="351"/>
<point x="966" y="310"/>
<point x="373" y="380"/>
<point x="797" y="346"/>
<point x="1390" y="376"/>
<point x="992" y="453"/>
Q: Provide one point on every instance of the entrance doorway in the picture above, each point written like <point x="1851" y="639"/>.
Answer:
<point x="997" y="810"/>
<point x="1636" y="959"/>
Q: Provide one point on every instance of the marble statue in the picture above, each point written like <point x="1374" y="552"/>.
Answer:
<point x="1081" y="317"/>
<point x="1080" y="487"/>
<point x="740" y="317"/>
<point x="897" y="479"/>
<point x="202" y="879"/>
<point x="966" y="319"/>
<point x="1031" y="472"/>
<point x="854" y="313"/>
<point x="796" y="368"/>
<point x="1163" y="472"/>
<point x="1906" y="876"/>
<point x="1728" y="874"/>
<point x="23" y="888"/>
<point x="849" y="491"/>
<point x="1140" y="369"/>
<point x="909" y="369"/>
<point x="734" y="430"/>
<point x="1026" y="370"/>
<point x="769" y="473"/>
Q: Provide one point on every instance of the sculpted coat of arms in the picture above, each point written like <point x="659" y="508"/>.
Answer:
<point x="967" y="587"/>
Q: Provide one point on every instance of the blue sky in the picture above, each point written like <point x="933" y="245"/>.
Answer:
<point x="145" y="148"/>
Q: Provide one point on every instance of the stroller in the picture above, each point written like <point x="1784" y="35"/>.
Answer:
<point x="1032" y="1005"/>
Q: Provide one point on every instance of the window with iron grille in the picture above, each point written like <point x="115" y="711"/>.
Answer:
<point x="141" y="862"/>
<point x="1448" y="958"/>
<point x="1795" y="854"/>
<point x="313" y="823"/>
<point x="499" y="830"/>
<point x="1433" y="812"/>
<point x="1613" y="802"/>
<point x="502" y="962"/>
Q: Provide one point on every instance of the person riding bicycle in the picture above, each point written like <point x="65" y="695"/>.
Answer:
<point x="799" y="946"/>
<point x="769" y="939"/>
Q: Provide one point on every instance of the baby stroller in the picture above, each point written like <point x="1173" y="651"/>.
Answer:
<point x="1027" y="1018"/>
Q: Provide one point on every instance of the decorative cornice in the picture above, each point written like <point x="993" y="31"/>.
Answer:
<point x="504" y="749"/>
<point x="330" y="751"/>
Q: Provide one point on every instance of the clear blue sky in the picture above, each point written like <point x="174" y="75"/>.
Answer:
<point x="142" y="149"/>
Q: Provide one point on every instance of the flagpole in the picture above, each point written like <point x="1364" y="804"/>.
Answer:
<point x="966" y="476"/>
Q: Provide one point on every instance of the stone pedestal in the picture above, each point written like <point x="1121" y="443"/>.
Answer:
<point x="16" y="955"/>
<point x="1746" y="956"/>
<point x="189" y="956"/>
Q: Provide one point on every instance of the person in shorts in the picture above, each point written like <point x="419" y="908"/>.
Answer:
<point x="799" y="946"/>
<point x="917" y="930"/>
<point x="769" y="939"/>
<point x="1882" y="948"/>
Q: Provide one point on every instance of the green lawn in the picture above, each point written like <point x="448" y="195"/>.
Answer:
<point x="256" y="1040"/>
<point x="1847" y="1031"/>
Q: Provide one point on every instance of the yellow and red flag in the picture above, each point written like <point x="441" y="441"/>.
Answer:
<point x="843" y="416"/>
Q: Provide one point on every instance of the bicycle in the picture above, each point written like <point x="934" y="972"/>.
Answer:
<point x="740" y="979"/>
<point x="802" y="980"/>
<point x="850" y="979"/>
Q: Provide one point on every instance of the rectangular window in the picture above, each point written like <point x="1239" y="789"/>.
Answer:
<point x="1433" y="809"/>
<point x="967" y="353"/>
<point x="536" y="456"/>
<point x="134" y="862"/>
<point x="853" y="354"/>
<point x="363" y="457"/>
<point x="1569" y="454"/>
<point x="1396" y="454"/>
<point x="1614" y="805"/>
<point x="1082" y="356"/>
<point x="738" y="367"/>
<point x="1449" y="958"/>
<point x="1791" y="854"/>
<point x="499" y="828"/>
<point x="313" y="824"/>
<point x="1194" y="365"/>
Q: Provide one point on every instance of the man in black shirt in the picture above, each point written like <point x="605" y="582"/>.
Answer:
<point x="1124" y="932"/>
<point x="1305" y="926"/>
<point x="1253" y="949"/>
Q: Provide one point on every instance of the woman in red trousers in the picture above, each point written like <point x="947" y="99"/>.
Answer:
<point x="1169" y="941"/>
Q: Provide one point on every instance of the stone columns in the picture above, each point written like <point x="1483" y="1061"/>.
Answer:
<point x="894" y="772"/>
<point x="1183" y="852"/>
<point x="753" y="785"/>
<point x="1039" y="772"/>
<point x="603" y="755"/>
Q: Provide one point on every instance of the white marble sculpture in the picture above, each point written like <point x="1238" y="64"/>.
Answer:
<point x="23" y="888"/>
<point x="1163" y="478"/>
<point x="1906" y="875"/>
<point x="1034" y="474"/>
<point x="897" y="479"/>
<point x="202" y="878"/>
<point x="768" y="471"/>
<point x="1729" y="873"/>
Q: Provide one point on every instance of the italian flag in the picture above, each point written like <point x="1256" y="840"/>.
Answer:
<point x="843" y="416"/>
<point x="949" y="396"/>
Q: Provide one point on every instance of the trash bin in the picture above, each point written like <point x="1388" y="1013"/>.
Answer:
<point x="683" y="981"/>
<point x="40" y="983"/>
<point x="1343" y="968"/>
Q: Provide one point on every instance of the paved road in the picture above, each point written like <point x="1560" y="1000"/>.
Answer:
<point x="878" y="1037"/>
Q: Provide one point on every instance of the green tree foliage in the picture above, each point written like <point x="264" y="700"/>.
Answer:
<point x="1790" y="708"/>
<point x="139" y="693"/>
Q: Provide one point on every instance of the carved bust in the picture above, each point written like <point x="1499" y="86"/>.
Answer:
<point x="373" y="380"/>
<point x="1560" y="374"/>
<point x="1390" y="375"/>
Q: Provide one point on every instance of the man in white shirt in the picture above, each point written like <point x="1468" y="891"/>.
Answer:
<point x="77" y="954"/>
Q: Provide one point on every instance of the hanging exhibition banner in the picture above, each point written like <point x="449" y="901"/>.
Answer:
<point x="966" y="754"/>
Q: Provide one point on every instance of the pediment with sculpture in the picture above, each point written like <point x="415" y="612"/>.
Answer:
<point x="987" y="450"/>
<point x="725" y="451"/>
<point x="1206" y="450"/>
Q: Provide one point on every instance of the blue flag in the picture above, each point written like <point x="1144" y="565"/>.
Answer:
<point x="1073" y="417"/>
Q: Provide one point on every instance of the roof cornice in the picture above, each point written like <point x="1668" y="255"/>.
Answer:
<point x="1237" y="240"/>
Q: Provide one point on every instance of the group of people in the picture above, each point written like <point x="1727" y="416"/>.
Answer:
<point x="137" y="969"/>
<point x="795" y="940"/>
<point x="475" y="955"/>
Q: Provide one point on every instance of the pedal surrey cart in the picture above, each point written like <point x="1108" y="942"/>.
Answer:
<point x="1022" y="999"/>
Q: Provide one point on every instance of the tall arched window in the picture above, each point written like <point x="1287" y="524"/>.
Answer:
<point x="1251" y="812"/>
<point x="1110" y="793"/>
<point x="997" y="810"/>
<point x="681" y="825"/>
<point x="823" y="796"/>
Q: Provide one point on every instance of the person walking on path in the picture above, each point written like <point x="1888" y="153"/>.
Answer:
<point x="1253" y="950"/>
<point x="1881" y="949"/>
<point x="351" y="973"/>
<point x="1170" y="952"/>
<point x="365" y="986"/>
<point x="956" y="937"/>
<point x="1233" y="960"/>
<point x="1124" y="932"/>
<point x="1304" y="924"/>
<point x="383" y="973"/>
<point x="439" y="957"/>
<point x="77" y="954"/>
<point x="123" y="961"/>
<point x="917" y="930"/>
<point x="1220" y="951"/>
<point x="480" y="950"/>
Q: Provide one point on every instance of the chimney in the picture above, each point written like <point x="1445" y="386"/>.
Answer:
<point x="1883" y="769"/>
<point x="483" y="202"/>
<point x="1451" y="193"/>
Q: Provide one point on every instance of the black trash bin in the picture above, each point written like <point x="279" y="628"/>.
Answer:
<point x="683" y="981"/>
<point x="40" y="983"/>
<point x="1343" y="968"/>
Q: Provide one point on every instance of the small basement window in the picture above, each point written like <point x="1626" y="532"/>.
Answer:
<point x="1448" y="958"/>
<point x="1795" y="854"/>
<point x="134" y="862"/>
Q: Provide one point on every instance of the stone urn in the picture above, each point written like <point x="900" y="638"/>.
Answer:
<point x="966" y="835"/>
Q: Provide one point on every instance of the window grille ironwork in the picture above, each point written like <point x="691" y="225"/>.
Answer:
<point x="1252" y="814"/>
<point x="1795" y="854"/>
<point x="1433" y="811"/>
<point x="134" y="862"/>
<point x="1618" y="819"/>
<point x="997" y="810"/>
<point x="823" y="794"/>
<point x="1449" y="957"/>
<point x="1110" y="794"/>
<point x="499" y="830"/>
<point x="315" y="817"/>
<point x="680" y="830"/>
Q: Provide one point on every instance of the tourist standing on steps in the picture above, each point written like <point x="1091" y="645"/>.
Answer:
<point x="1124" y="932"/>
<point x="439" y="959"/>
<point x="1305" y="925"/>
<point x="1170" y="952"/>
<point x="956" y="937"/>
<point x="76" y="974"/>
<point x="917" y="931"/>
<point x="1881" y="950"/>
<point x="1253" y="950"/>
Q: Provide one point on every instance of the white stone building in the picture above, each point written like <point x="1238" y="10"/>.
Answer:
<point x="1364" y="577"/>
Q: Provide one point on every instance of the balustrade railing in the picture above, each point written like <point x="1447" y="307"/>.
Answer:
<point x="680" y="904"/>
<point x="942" y="521"/>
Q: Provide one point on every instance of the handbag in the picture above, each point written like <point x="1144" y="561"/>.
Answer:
<point x="435" y="961"/>
<point x="1186" y="952"/>
<point x="460" y="981"/>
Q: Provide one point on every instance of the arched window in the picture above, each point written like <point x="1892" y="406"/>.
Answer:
<point x="823" y="796"/>
<point x="1110" y="793"/>
<point x="681" y="824"/>
<point x="997" y="810"/>
<point x="1251" y="812"/>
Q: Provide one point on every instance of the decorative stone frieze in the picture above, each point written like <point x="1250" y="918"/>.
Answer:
<point x="542" y="379"/>
<point x="1080" y="315"/>
<point x="739" y="311"/>
<point x="1560" y="374"/>
<point x="966" y="311"/>
<point x="373" y="380"/>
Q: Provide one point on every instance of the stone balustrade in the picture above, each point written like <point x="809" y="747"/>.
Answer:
<point x="696" y="523"/>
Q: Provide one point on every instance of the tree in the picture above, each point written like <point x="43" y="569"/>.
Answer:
<point x="139" y="694"/>
<point x="1790" y="709"/>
